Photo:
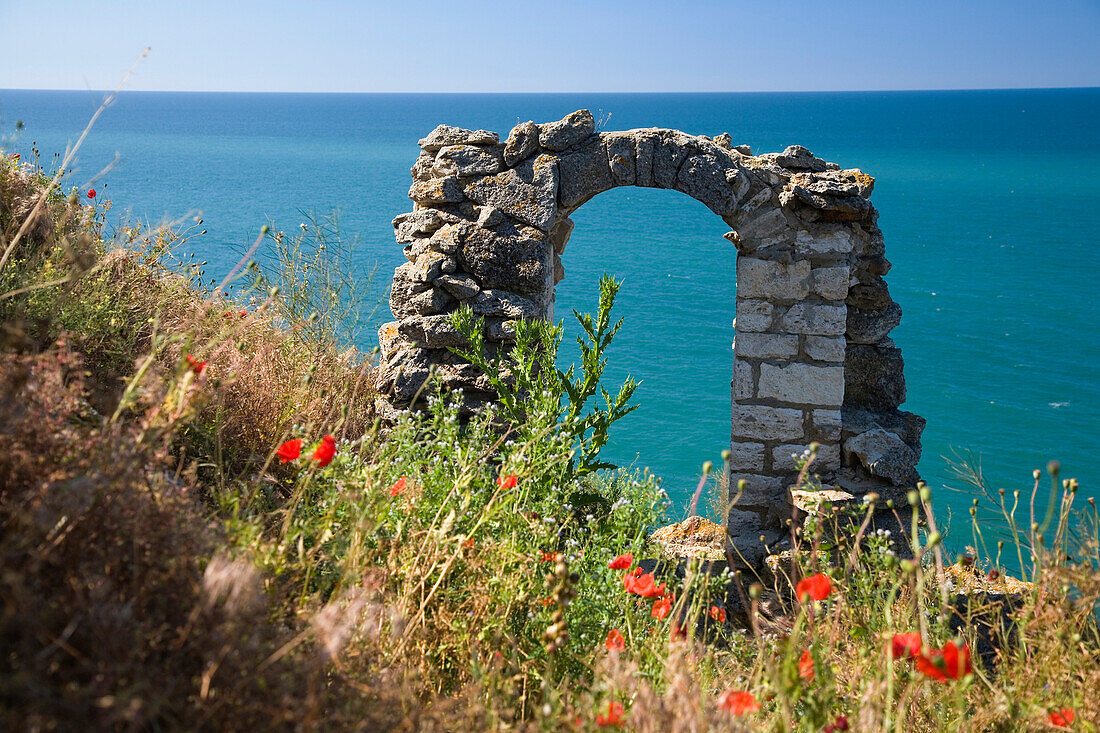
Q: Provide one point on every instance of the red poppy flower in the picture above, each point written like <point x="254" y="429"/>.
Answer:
<point x="816" y="587"/>
<point x="507" y="482"/>
<point x="661" y="608"/>
<point x="325" y="451"/>
<point x="806" y="665"/>
<point x="643" y="584"/>
<point x="951" y="662"/>
<point x="399" y="486"/>
<point x="622" y="562"/>
<point x="737" y="702"/>
<point x="718" y="614"/>
<point x="841" y="723"/>
<point x="550" y="557"/>
<point x="194" y="364"/>
<point x="678" y="633"/>
<point x="468" y="543"/>
<point x="615" y="641"/>
<point x="91" y="193"/>
<point x="905" y="646"/>
<point x="614" y="717"/>
<point x="242" y="314"/>
<point x="289" y="450"/>
<point x="1061" y="718"/>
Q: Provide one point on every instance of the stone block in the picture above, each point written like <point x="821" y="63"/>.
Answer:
<point x="884" y="455"/>
<point x="815" y="319"/>
<point x="514" y="258"/>
<point x="527" y="192"/>
<point x="825" y="348"/>
<point x="766" y="345"/>
<point x="770" y="280"/>
<point x="767" y="226"/>
<point x="703" y="177"/>
<point x="785" y="458"/>
<point x="468" y="161"/>
<point x="831" y="283"/>
<point x="744" y="387"/>
<point x="437" y="191"/>
<point x="422" y="223"/>
<point x="747" y="457"/>
<point x="621" y="157"/>
<point x="753" y="315"/>
<point x="826" y="426"/>
<point x="760" y="422"/>
<point x="873" y="377"/>
<point x="446" y="135"/>
<point x="761" y="492"/>
<point x="872" y="326"/>
<point x="522" y="141"/>
<point x="584" y="173"/>
<point x="838" y="241"/>
<point x="567" y="132"/>
<point x="672" y="148"/>
<point x="802" y="384"/>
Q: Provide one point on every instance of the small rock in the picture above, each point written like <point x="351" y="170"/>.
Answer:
<point x="522" y="141"/>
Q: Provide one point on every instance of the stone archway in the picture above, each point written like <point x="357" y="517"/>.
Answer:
<point x="812" y="356"/>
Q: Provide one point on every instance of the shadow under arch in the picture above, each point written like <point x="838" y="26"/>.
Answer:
<point x="813" y="361"/>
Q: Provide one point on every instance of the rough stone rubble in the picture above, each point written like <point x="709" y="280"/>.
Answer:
<point x="812" y="357"/>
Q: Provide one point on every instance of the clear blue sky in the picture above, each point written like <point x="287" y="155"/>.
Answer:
<point x="516" y="46"/>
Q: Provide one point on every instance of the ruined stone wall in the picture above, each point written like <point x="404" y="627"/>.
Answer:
<point x="812" y="358"/>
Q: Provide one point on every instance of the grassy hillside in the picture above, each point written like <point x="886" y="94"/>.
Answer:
<point x="174" y="558"/>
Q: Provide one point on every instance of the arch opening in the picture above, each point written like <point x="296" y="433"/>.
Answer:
<point x="813" y="361"/>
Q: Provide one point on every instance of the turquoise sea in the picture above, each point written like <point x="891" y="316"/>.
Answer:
<point x="988" y="200"/>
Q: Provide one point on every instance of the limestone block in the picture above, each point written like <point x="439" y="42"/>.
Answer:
<point x="838" y="241"/>
<point x="816" y="319"/>
<point x="784" y="458"/>
<point x="410" y="297"/>
<point x="873" y="377"/>
<point x="870" y="327"/>
<point x="802" y="384"/>
<point x="771" y="280"/>
<point x="422" y="168"/>
<point x="408" y="227"/>
<point x="885" y="455"/>
<point x="522" y="141"/>
<point x="753" y="315"/>
<point x="796" y="157"/>
<point x="584" y="172"/>
<point x="427" y="267"/>
<point x="747" y="457"/>
<point x="528" y="192"/>
<point x="672" y="148"/>
<point x="621" y="157"/>
<point x="503" y="304"/>
<point x="766" y="345"/>
<point x="760" y="492"/>
<point x="744" y="387"/>
<point x="826" y="426"/>
<point x="446" y="135"/>
<point x="764" y="228"/>
<point x="703" y="177"/>
<point x="831" y="283"/>
<point x="509" y="257"/>
<point x="462" y="287"/>
<point x="448" y="238"/>
<point x="872" y="294"/>
<point x="759" y="422"/>
<point x="567" y="132"/>
<point x="467" y="161"/>
<point x="645" y="145"/>
<point x="437" y="191"/>
<point x="825" y="348"/>
<point x="416" y="248"/>
<point x="432" y="332"/>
